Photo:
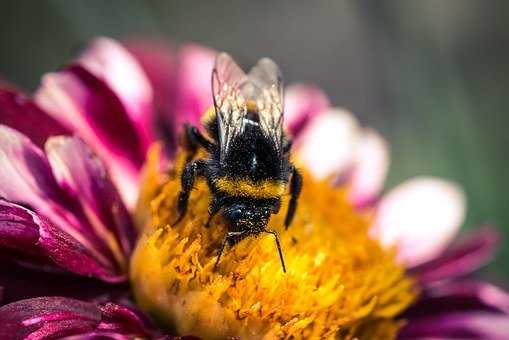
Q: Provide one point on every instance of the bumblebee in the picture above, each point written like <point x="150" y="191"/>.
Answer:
<point x="248" y="167"/>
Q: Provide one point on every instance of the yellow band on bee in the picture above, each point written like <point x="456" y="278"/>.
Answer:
<point x="208" y="115"/>
<point x="251" y="106"/>
<point x="248" y="188"/>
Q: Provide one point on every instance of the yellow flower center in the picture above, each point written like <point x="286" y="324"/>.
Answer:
<point x="339" y="282"/>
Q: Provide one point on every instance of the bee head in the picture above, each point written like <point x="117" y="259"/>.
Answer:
<point x="247" y="216"/>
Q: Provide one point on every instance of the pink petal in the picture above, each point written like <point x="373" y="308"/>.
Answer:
<point x="79" y="218"/>
<point x="109" y="61"/>
<point x="302" y="103"/>
<point x="26" y="176"/>
<point x="194" y="94"/>
<point x="421" y="217"/>
<point x="86" y="105"/>
<point x="328" y="143"/>
<point x="21" y="113"/>
<point x="158" y="60"/>
<point x="370" y="168"/>
<point x="84" y="177"/>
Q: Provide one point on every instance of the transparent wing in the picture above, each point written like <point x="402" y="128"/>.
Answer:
<point x="227" y="81"/>
<point x="265" y="87"/>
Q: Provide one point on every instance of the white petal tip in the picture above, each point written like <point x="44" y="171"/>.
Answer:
<point x="420" y="217"/>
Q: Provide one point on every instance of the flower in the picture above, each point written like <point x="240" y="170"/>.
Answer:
<point x="173" y="274"/>
<point x="66" y="219"/>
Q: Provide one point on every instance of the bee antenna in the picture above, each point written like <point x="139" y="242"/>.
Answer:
<point x="273" y="232"/>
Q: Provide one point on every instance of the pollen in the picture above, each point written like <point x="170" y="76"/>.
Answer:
<point x="339" y="283"/>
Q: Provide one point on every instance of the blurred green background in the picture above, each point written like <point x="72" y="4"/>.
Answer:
<point x="430" y="75"/>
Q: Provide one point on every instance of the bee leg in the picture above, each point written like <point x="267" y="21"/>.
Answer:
<point x="295" y="188"/>
<point x="194" y="139"/>
<point x="229" y="235"/>
<point x="191" y="171"/>
<point x="214" y="208"/>
<point x="273" y="232"/>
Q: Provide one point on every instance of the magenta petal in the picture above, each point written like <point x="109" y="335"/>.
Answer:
<point x="81" y="174"/>
<point x="461" y="258"/>
<point x="122" y="319"/>
<point x="58" y="317"/>
<point x="30" y="237"/>
<point x="81" y="223"/>
<point x="26" y="176"/>
<point x="19" y="228"/>
<point x="479" y="325"/>
<point x="20" y="112"/>
<point x="88" y="106"/>
<point x="460" y="296"/>
<point x="466" y="309"/>
<point x="109" y="61"/>
<point x="42" y="318"/>
<point x="303" y="102"/>
<point x="99" y="335"/>
<point x="72" y="255"/>
<point x="181" y="83"/>
<point x="20" y="283"/>
<point x="159" y="62"/>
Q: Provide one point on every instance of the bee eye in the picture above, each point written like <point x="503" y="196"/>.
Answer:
<point x="235" y="214"/>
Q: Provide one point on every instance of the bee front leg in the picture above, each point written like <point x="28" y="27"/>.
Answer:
<point x="295" y="188"/>
<point x="194" y="139"/>
<point x="214" y="208"/>
<point x="188" y="177"/>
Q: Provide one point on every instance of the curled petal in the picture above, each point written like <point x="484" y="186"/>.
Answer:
<point x="302" y="103"/>
<point x="58" y="317"/>
<point x="461" y="258"/>
<point x="328" y="143"/>
<point x="370" y="169"/>
<point x="26" y="176"/>
<point x="75" y="219"/>
<point x="109" y="61"/>
<point x="31" y="237"/>
<point x="21" y="113"/>
<point x="420" y="217"/>
<point x="87" y="105"/>
<point x="19" y="230"/>
<point x="84" y="177"/>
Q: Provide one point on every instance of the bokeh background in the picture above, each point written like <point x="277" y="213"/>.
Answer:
<point x="431" y="75"/>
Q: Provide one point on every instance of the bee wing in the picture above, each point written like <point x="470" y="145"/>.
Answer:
<point x="266" y="89"/>
<point x="229" y="102"/>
